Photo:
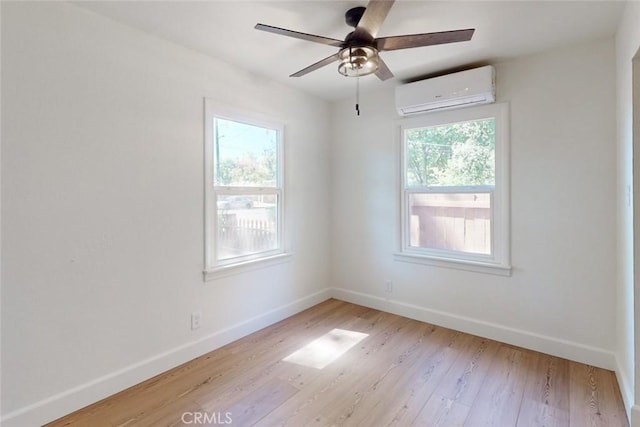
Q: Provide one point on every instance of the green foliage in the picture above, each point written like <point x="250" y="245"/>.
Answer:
<point x="248" y="170"/>
<point x="453" y="154"/>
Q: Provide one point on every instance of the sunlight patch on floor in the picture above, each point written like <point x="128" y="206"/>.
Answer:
<point x="329" y="347"/>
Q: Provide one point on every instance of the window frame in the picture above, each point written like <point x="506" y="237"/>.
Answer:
<point x="498" y="262"/>
<point x="213" y="266"/>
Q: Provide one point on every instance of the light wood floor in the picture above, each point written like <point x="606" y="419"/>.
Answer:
<point x="403" y="373"/>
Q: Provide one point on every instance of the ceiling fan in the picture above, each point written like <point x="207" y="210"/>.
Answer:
<point x="359" y="51"/>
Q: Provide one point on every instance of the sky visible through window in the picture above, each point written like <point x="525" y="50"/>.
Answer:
<point x="236" y="139"/>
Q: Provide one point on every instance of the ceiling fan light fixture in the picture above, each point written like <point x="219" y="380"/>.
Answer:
<point x="357" y="61"/>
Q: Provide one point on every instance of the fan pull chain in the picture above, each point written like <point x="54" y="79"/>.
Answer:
<point x="358" y="94"/>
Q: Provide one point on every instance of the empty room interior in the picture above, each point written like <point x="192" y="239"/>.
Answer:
<point x="319" y="213"/>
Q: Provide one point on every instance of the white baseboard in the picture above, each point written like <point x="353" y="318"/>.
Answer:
<point x="78" y="397"/>
<point x="625" y="389"/>
<point x="542" y="343"/>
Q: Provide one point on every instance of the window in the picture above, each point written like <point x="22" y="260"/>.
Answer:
<point x="243" y="188"/>
<point x="455" y="189"/>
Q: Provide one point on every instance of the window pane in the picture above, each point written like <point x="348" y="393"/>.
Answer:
<point x="246" y="225"/>
<point x="451" y="221"/>
<point x="454" y="154"/>
<point x="244" y="155"/>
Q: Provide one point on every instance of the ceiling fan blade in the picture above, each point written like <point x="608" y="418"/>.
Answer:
<point x="372" y="19"/>
<point x="326" y="61"/>
<point x="299" y="35"/>
<point x="427" y="39"/>
<point x="383" y="72"/>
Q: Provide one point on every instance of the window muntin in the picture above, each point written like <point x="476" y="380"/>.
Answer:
<point x="244" y="189"/>
<point x="455" y="187"/>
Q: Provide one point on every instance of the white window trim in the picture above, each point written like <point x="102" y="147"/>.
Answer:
<point x="499" y="262"/>
<point x="238" y="265"/>
<point x="246" y="266"/>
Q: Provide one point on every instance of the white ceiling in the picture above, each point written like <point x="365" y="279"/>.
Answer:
<point x="224" y="29"/>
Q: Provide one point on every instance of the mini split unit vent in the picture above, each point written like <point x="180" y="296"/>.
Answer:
<point x="471" y="87"/>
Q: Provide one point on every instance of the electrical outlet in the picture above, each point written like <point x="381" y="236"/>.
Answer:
<point x="195" y="320"/>
<point x="388" y="286"/>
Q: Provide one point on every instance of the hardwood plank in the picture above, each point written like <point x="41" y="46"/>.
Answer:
<point x="454" y="395"/>
<point x="614" y="406"/>
<point x="83" y="419"/>
<point x="591" y="394"/>
<point x="426" y="357"/>
<point x="501" y="392"/>
<point x="441" y="411"/>
<point x="299" y="375"/>
<point x="257" y="404"/>
<point x="170" y="413"/>
<point x="546" y="397"/>
<point x="464" y="380"/>
<point x="419" y="381"/>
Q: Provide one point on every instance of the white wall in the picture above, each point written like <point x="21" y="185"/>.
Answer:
<point x="102" y="208"/>
<point x="627" y="44"/>
<point x="560" y="298"/>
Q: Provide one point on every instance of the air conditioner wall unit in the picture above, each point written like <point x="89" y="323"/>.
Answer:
<point x="470" y="87"/>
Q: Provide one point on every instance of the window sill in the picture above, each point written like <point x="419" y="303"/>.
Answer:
<point x="245" y="266"/>
<point x="458" y="264"/>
